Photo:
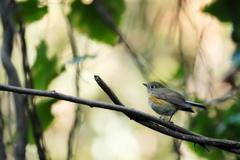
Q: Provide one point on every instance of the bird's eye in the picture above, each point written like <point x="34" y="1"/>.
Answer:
<point x="152" y="86"/>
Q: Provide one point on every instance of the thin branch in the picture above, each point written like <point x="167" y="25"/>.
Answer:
<point x="30" y="104"/>
<point x="144" y="118"/>
<point x="77" y="119"/>
<point x="107" y="90"/>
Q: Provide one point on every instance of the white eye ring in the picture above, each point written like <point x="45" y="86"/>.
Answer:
<point x="152" y="86"/>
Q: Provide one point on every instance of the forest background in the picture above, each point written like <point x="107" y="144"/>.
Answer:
<point x="190" y="46"/>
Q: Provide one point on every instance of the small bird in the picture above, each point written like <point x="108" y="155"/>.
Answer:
<point x="166" y="102"/>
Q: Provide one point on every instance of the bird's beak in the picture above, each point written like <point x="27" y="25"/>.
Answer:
<point x="145" y="84"/>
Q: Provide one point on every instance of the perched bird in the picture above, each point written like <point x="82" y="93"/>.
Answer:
<point x="166" y="102"/>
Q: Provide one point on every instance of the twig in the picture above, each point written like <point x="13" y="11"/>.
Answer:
<point x="77" y="118"/>
<point x="107" y="90"/>
<point x="229" y="145"/>
<point x="30" y="104"/>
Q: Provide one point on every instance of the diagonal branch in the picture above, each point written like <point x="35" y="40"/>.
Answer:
<point x="143" y="118"/>
<point x="150" y="124"/>
<point x="114" y="98"/>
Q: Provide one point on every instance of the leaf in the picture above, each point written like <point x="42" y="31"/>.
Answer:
<point x="31" y="10"/>
<point x="45" y="116"/>
<point x="44" y="69"/>
<point x="224" y="10"/>
<point x="87" y="20"/>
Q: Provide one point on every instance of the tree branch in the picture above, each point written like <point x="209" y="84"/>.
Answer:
<point x="148" y="124"/>
<point x="114" y="98"/>
<point x="30" y="104"/>
<point x="143" y="118"/>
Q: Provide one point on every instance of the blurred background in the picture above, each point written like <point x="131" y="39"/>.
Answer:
<point x="182" y="44"/>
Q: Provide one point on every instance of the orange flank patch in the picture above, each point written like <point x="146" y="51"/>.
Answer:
<point x="156" y="100"/>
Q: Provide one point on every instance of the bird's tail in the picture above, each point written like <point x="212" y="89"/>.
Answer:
<point x="196" y="104"/>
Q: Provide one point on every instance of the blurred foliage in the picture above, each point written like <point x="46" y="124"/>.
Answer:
<point x="224" y="10"/>
<point x="45" y="69"/>
<point x="88" y="20"/>
<point x="225" y="122"/>
<point x="31" y="11"/>
<point x="228" y="11"/>
<point x="179" y="73"/>
<point x="236" y="56"/>
<point x="84" y="18"/>
<point x="224" y="125"/>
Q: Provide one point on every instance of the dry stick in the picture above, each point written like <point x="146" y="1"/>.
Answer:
<point x="172" y="126"/>
<point x="233" y="145"/>
<point x="107" y="90"/>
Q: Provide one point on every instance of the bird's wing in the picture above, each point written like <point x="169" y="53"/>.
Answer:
<point x="172" y="97"/>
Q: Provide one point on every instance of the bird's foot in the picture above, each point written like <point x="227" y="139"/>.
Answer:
<point x="161" y="117"/>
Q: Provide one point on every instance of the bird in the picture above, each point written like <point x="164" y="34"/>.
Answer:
<point x="167" y="102"/>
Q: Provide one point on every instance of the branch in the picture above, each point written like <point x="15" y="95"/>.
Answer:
<point x="30" y="104"/>
<point x="107" y="90"/>
<point x="114" y="98"/>
<point x="143" y="118"/>
<point x="149" y="124"/>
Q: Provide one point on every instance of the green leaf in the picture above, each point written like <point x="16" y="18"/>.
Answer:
<point x="44" y="69"/>
<point x="89" y="21"/>
<point x="224" y="10"/>
<point x="32" y="11"/>
<point x="45" y="116"/>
